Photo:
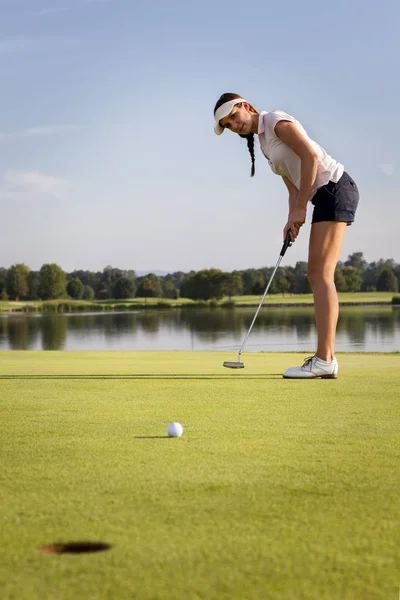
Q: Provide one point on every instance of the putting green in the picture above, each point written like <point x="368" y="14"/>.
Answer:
<point x="278" y="489"/>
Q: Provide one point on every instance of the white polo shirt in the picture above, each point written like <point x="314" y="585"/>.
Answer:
<point x="284" y="161"/>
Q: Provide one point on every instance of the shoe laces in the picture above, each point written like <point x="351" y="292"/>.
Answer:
<point x="307" y="361"/>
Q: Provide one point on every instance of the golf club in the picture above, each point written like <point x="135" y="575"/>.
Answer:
<point x="239" y="364"/>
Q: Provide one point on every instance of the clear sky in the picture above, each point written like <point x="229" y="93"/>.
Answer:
<point x="107" y="149"/>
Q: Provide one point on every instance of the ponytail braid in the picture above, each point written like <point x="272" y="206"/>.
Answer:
<point x="250" y="146"/>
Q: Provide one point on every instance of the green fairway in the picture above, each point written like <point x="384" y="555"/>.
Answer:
<point x="344" y="298"/>
<point x="278" y="489"/>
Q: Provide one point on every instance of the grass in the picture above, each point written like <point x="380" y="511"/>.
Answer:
<point x="277" y="489"/>
<point x="356" y="297"/>
<point x="69" y="305"/>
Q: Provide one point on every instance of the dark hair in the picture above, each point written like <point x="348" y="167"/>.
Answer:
<point x="250" y="136"/>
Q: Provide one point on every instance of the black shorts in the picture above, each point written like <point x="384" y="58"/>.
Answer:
<point x="336" y="201"/>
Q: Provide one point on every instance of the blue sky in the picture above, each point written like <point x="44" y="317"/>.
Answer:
<point x="107" y="149"/>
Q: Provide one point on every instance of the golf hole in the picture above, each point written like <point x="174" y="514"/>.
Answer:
<point x="74" y="547"/>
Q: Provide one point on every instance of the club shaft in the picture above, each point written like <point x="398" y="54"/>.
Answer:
<point x="259" y="306"/>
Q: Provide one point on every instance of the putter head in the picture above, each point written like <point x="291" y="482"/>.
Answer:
<point x="233" y="365"/>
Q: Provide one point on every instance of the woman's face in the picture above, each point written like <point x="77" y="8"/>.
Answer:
<point x="239" y="119"/>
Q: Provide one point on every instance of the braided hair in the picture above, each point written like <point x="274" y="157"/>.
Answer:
<point x="250" y="136"/>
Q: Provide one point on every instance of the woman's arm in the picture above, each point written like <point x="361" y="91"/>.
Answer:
<point x="293" y="193"/>
<point x="290" y="135"/>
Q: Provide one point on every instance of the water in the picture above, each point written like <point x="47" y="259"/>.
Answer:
<point x="369" y="329"/>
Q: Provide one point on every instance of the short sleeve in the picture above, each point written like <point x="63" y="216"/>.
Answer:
<point x="273" y="117"/>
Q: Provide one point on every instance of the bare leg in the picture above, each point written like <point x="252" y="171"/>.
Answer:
<point x="325" y="243"/>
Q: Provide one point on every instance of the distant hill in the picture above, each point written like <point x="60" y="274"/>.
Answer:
<point x="158" y="273"/>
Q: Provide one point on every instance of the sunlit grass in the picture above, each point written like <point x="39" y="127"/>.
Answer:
<point x="277" y="489"/>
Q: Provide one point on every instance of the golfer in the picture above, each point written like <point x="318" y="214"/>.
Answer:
<point x="310" y="175"/>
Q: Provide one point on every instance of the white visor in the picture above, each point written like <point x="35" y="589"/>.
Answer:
<point x="223" y="111"/>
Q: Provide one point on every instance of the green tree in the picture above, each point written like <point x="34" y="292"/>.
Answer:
<point x="251" y="278"/>
<point x="33" y="284"/>
<point x="105" y="282"/>
<point x="282" y="285"/>
<point x="3" y="277"/>
<point x="266" y="276"/>
<point x="103" y="293"/>
<point x="124" y="288"/>
<point x="169" y="289"/>
<point x="387" y="281"/>
<point x="110" y="276"/>
<point x="305" y="287"/>
<point x="75" y="289"/>
<point x="177" y="278"/>
<point x="88" y="292"/>
<point x="370" y="278"/>
<point x="17" y="281"/>
<point x="204" y="285"/>
<point x="149" y="287"/>
<point x="396" y="271"/>
<point x="130" y="274"/>
<point x="87" y="278"/>
<point x="353" y="279"/>
<point x="298" y="279"/>
<point x="233" y="284"/>
<point x="52" y="282"/>
<point x="301" y="268"/>
<point x="356" y="260"/>
<point x="340" y="280"/>
<point x="373" y="272"/>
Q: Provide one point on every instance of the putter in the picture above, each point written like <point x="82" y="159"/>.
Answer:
<point x="239" y="364"/>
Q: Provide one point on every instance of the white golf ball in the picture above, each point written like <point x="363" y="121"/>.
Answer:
<point x="175" y="430"/>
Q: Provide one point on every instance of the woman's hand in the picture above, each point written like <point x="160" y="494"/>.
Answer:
<point x="296" y="219"/>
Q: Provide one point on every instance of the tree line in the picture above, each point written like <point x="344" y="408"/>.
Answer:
<point x="18" y="282"/>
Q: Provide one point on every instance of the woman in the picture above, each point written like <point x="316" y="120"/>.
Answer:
<point x="310" y="175"/>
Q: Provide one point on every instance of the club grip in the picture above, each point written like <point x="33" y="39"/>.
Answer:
<point x="286" y="244"/>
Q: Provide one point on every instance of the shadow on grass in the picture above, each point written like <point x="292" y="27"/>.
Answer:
<point x="153" y="437"/>
<point x="74" y="547"/>
<point x="144" y="376"/>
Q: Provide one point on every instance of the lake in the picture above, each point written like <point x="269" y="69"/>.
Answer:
<point x="360" y="329"/>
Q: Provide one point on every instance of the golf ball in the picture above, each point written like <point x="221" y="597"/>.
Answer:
<point x="175" y="430"/>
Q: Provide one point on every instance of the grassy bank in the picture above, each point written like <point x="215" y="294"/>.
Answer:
<point x="277" y="489"/>
<point x="69" y="305"/>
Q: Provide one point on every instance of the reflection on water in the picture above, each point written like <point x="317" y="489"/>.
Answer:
<point x="375" y="329"/>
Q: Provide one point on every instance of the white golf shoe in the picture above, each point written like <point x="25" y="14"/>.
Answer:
<point x="314" y="367"/>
